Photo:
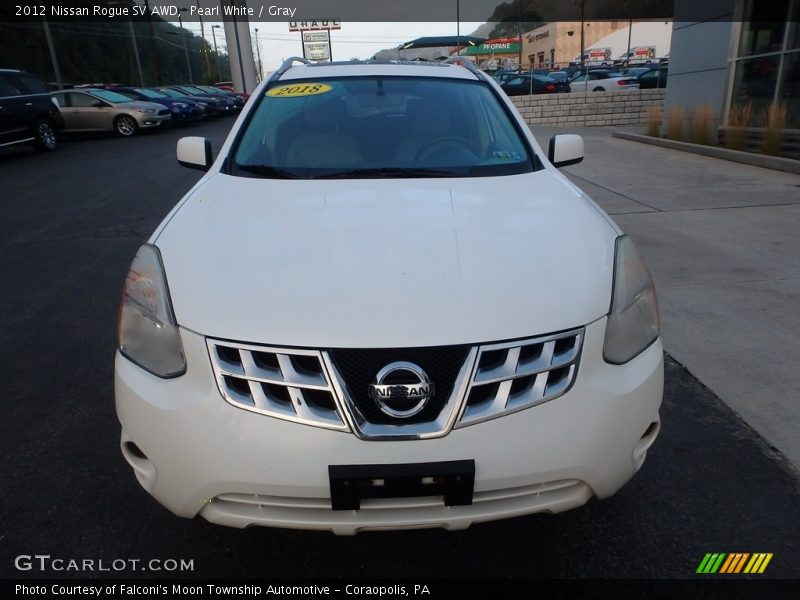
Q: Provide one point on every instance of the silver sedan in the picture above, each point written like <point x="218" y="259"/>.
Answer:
<point x="103" y="110"/>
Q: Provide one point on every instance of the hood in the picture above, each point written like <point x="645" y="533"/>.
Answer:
<point x="143" y="105"/>
<point x="387" y="262"/>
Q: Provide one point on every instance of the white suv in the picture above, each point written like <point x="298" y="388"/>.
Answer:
<point x="383" y="307"/>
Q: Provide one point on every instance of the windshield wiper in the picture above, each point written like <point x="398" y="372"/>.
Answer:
<point x="387" y="172"/>
<point x="268" y="171"/>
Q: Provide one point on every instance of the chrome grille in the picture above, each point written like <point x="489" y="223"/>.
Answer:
<point x="512" y="376"/>
<point x="286" y="383"/>
<point x="306" y="386"/>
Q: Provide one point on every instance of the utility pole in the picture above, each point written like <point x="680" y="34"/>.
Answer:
<point x="584" y="64"/>
<point x="519" y="33"/>
<point x="458" y="27"/>
<point x="53" y="56"/>
<point x="153" y="47"/>
<point x="216" y="52"/>
<point x="185" y="47"/>
<point x="203" y="39"/>
<point x="630" y="32"/>
<point x="258" y="57"/>
<point x="133" y="39"/>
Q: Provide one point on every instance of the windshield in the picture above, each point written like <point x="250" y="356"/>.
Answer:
<point x="192" y="90"/>
<point x="149" y="93"/>
<point x="112" y="97"/>
<point x="173" y="94"/>
<point x="361" y="127"/>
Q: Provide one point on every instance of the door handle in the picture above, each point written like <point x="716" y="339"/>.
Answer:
<point x="29" y="104"/>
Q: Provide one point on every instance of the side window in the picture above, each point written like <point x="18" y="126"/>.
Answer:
<point x="6" y="89"/>
<point x="81" y="100"/>
<point x="32" y="85"/>
<point x="62" y="99"/>
<point x="580" y="78"/>
<point x="515" y="81"/>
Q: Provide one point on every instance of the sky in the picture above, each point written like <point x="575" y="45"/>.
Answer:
<point x="354" y="40"/>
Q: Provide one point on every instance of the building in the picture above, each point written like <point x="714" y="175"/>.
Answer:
<point x="730" y="54"/>
<point x="559" y="44"/>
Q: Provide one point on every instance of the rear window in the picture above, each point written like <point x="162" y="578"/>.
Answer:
<point x="380" y="127"/>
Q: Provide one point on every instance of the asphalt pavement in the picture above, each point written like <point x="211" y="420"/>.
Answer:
<point x="72" y="221"/>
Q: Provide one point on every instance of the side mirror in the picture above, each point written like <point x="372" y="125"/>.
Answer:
<point x="195" y="153"/>
<point x="565" y="150"/>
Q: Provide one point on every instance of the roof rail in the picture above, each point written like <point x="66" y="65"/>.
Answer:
<point x="287" y="64"/>
<point x="466" y="63"/>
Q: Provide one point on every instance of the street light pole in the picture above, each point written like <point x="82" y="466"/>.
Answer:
<point x="258" y="56"/>
<point x="216" y="52"/>
<point x="185" y="47"/>
<point x="203" y="39"/>
<point x="53" y="56"/>
<point x="133" y="40"/>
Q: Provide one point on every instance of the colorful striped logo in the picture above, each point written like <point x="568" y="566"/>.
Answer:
<point x="735" y="563"/>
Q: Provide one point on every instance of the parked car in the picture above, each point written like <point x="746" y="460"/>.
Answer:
<point x="89" y="109"/>
<point x="181" y="110"/>
<point x="343" y="326"/>
<point x="28" y="113"/>
<point x="238" y="99"/>
<point x="210" y="106"/>
<point x="225" y="102"/>
<point x="602" y="81"/>
<point x="653" y="79"/>
<point x="523" y="85"/>
<point x="225" y="85"/>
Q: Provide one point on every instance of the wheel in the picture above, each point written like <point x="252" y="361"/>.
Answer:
<point x="45" y="136"/>
<point x="125" y="125"/>
<point x="598" y="89"/>
<point x="441" y="145"/>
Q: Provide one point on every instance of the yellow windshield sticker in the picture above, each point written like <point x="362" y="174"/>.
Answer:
<point x="299" y="89"/>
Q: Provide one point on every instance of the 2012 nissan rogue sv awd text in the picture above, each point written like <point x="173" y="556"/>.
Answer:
<point x="383" y="307"/>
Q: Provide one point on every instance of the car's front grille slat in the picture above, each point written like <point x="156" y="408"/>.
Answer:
<point x="533" y="371"/>
<point x="268" y="381"/>
<point x="328" y="388"/>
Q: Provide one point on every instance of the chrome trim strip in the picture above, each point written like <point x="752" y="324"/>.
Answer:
<point x="538" y="392"/>
<point x="286" y="376"/>
<point x="405" y="431"/>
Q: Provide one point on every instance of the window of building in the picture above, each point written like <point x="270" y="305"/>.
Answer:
<point x="767" y="67"/>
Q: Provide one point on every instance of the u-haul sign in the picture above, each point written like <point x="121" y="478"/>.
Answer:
<point x="314" y="25"/>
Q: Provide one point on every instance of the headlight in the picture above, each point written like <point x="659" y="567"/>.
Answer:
<point x="179" y="105"/>
<point x="229" y="101"/>
<point x="147" y="332"/>
<point x="633" y="323"/>
<point x="145" y="110"/>
<point x="203" y="104"/>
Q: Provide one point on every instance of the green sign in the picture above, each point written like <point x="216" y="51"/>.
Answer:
<point x="494" y="48"/>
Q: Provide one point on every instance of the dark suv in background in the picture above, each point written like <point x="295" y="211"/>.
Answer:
<point x="27" y="111"/>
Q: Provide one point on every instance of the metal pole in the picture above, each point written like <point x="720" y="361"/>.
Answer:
<point x="330" y="47"/>
<point x="185" y="47"/>
<point x="203" y="39"/>
<point x="630" y="32"/>
<point x="258" y="57"/>
<point x="216" y="52"/>
<point x="136" y="53"/>
<point x="53" y="56"/>
<point x="458" y="27"/>
<point x="519" y="33"/>
<point x="153" y="47"/>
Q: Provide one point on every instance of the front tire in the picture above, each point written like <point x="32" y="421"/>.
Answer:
<point x="125" y="125"/>
<point x="45" y="136"/>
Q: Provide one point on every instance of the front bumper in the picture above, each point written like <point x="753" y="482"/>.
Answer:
<point x="197" y="454"/>
<point x="147" y="120"/>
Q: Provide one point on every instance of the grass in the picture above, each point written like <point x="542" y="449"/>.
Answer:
<point x="776" y="123"/>
<point x="654" y="121"/>
<point x="675" y="123"/>
<point x="702" y="117"/>
<point x="740" y="118"/>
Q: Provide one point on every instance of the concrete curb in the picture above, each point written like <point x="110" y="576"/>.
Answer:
<point x="775" y="163"/>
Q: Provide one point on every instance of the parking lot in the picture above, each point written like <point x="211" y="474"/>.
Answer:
<point x="72" y="221"/>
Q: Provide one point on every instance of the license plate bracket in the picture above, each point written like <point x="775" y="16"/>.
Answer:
<point x="453" y="480"/>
